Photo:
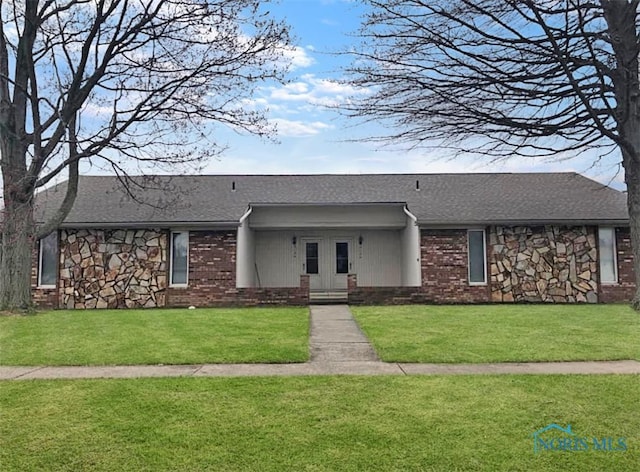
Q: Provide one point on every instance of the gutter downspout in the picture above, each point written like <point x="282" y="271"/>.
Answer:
<point x="410" y="215"/>
<point x="246" y="215"/>
<point x="411" y="250"/>
<point x="244" y="266"/>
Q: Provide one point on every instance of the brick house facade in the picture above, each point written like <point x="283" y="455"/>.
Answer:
<point x="254" y="240"/>
<point x="95" y="282"/>
<point x="212" y="271"/>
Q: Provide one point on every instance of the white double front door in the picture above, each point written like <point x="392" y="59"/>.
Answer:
<point x="327" y="262"/>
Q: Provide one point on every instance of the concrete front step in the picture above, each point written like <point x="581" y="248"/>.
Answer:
<point x="328" y="297"/>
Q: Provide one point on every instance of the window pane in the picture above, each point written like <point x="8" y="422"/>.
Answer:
<point x="342" y="258"/>
<point x="476" y="257"/>
<point x="312" y="258"/>
<point x="180" y="251"/>
<point x="49" y="259"/>
<point x="607" y="255"/>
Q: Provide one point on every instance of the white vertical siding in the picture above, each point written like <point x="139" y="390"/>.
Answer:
<point x="278" y="260"/>
<point x="377" y="262"/>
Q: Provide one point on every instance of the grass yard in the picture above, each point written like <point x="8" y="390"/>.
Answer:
<point x="204" y="335"/>
<point x="501" y="333"/>
<point x="456" y="423"/>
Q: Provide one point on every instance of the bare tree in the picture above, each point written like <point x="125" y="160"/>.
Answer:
<point x="506" y="78"/>
<point x="121" y="82"/>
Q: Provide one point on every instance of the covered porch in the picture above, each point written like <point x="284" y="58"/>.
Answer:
<point x="377" y="244"/>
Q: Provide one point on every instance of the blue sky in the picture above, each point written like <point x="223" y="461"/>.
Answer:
<point x="315" y="140"/>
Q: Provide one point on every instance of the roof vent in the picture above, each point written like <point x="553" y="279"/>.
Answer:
<point x="417" y="185"/>
<point x="233" y="186"/>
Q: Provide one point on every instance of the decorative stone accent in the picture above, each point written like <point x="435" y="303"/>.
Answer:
<point x="543" y="263"/>
<point x="128" y="268"/>
<point x="113" y="268"/>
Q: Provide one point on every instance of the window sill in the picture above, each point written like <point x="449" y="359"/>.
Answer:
<point x="179" y="286"/>
<point x="46" y="287"/>
<point x="478" y="284"/>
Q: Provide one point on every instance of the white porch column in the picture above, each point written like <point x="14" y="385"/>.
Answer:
<point x="245" y="253"/>
<point x="411" y="271"/>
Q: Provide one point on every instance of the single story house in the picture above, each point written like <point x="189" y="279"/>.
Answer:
<point x="295" y="239"/>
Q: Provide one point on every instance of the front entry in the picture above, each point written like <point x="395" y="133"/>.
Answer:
<point x="327" y="262"/>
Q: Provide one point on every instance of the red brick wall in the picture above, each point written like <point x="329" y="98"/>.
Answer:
<point x="622" y="291"/>
<point x="445" y="268"/>
<point x="43" y="298"/>
<point x="444" y="275"/>
<point x="271" y="296"/>
<point x="212" y="277"/>
<point x="381" y="295"/>
<point x="212" y="270"/>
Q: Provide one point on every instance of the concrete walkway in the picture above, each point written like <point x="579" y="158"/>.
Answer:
<point x="317" y="368"/>
<point x="337" y="347"/>
<point x="336" y="337"/>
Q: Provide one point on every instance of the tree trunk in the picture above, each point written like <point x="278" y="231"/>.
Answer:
<point x="631" y="163"/>
<point x="15" y="257"/>
<point x="633" y="201"/>
<point x="621" y="20"/>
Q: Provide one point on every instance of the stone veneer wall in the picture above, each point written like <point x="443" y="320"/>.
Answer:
<point x="525" y="264"/>
<point x="444" y="263"/>
<point x="543" y="264"/>
<point x="624" y="290"/>
<point x="113" y="268"/>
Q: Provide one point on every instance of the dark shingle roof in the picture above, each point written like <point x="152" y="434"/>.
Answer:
<point x="443" y="199"/>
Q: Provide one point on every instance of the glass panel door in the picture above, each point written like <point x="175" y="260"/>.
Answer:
<point x="311" y="258"/>
<point x="342" y="258"/>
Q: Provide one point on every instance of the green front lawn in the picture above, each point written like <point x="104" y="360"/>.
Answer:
<point x="501" y="333"/>
<point x="463" y="423"/>
<point x="204" y="335"/>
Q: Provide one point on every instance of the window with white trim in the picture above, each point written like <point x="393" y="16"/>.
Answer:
<point x="608" y="263"/>
<point x="179" y="273"/>
<point x="477" y="257"/>
<point x="48" y="261"/>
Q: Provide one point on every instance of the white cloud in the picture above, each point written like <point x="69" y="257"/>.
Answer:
<point x="299" y="57"/>
<point x="291" y="128"/>
<point x="94" y="110"/>
<point x="312" y="92"/>
<point x="296" y="88"/>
